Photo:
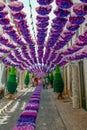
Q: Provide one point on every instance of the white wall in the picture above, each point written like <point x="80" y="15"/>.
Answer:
<point x="85" y="77"/>
<point x="2" y="76"/>
<point x="68" y="77"/>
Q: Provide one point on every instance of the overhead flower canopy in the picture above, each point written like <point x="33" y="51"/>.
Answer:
<point x="18" y="48"/>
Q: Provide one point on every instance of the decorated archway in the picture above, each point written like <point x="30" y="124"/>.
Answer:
<point x="40" y="55"/>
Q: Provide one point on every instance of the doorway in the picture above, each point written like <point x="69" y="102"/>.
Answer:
<point x="82" y="85"/>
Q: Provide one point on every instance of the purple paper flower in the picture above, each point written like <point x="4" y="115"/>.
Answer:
<point x="2" y="6"/>
<point x="44" y="25"/>
<point x="82" y="38"/>
<point x="3" y="13"/>
<point x="42" y="18"/>
<point x="64" y="3"/>
<point x="85" y="1"/>
<point x="62" y="63"/>
<point x="44" y="10"/>
<point x="44" y="2"/>
<point x="76" y="19"/>
<point x="72" y="27"/>
<point x="61" y="13"/>
<point x="80" y="9"/>
<point x="16" y="6"/>
<point x="19" y="15"/>
<point x="8" y="27"/>
<point x="41" y="29"/>
<point x="29" y="127"/>
<point x="59" y="21"/>
<point x="4" y="21"/>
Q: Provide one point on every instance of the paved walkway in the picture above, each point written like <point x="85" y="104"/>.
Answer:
<point x="48" y="116"/>
<point x="58" y="114"/>
<point x="74" y="119"/>
<point x="5" y="102"/>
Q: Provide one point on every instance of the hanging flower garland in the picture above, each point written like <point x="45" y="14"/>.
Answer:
<point x="76" y="51"/>
<point x="57" y="37"/>
<point x="22" y="25"/>
<point x="26" y="55"/>
<point x="8" y="62"/>
<point x="42" y="24"/>
<point x="57" y="26"/>
<point x="72" y="28"/>
<point x="12" y="33"/>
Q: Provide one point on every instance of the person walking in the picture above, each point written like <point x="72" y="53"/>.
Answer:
<point x="35" y="81"/>
<point x="47" y="82"/>
<point x="43" y="81"/>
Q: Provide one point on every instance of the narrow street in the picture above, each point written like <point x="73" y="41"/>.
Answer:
<point x="48" y="117"/>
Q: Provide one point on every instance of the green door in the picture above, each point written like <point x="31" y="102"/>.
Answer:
<point x="82" y="85"/>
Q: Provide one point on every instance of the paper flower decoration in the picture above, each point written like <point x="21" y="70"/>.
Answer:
<point x="4" y="21"/>
<point x="7" y="27"/>
<point x="44" y="10"/>
<point x="23" y="27"/>
<point x="59" y="21"/>
<point x="19" y="15"/>
<point x="80" y="43"/>
<point x="42" y="18"/>
<point x="42" y="25"/>
<point x="56" y="27"/>
<point x="62" y="63"/>
<point x="3" y="14"/>
<point x="61" y="13"/>
<point x="13" y="34"/>
<point x="80" y="9"/>
<point x="74" y="48"/>
<point x="82" y="38"/>
<point x="2" y="6"/>
<point x="68" y="33"/>
<point x="44" y="2"/>
<point x="23" y="127"/>
<point x="72" y="27"/>
<point x="76" y="19"/>
<point x="16" y="6"/>
<point x="64" y="3"/>
<point x="85" y="1"/>
<point x="2" y="50"/>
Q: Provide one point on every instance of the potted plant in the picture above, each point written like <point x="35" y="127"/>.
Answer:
<point x="11" y="82"/>
<point x="58" y="83"/>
